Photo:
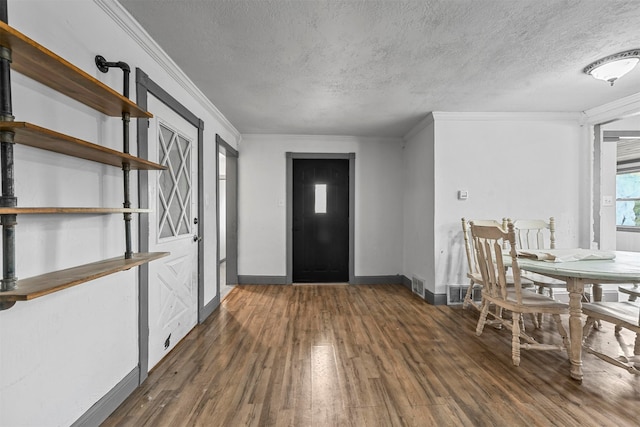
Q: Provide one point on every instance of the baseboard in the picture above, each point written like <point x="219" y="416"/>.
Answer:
<point x="430" y="297"/>
<point x="435" y="299"/>
<point x="110" y="401"/>
<point x="209" y="308"/>
<point x="262" y="280"/>
<point x="406" y="282"/>
<point x="377" y="280"/>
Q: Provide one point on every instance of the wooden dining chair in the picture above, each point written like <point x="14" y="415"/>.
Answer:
<point x="538" y="234"/>
<point x="473" y="272"/>
<point x="631" y="289"/>
<point x="488" y="243"/>
<point x="624" y="314"/>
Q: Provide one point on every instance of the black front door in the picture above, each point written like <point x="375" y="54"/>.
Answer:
<point x="320" y="220"/>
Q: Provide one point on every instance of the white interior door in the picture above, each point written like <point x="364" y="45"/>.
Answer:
<point x="173" y="280"/>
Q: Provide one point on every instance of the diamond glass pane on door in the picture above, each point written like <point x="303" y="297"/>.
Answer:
<point x="174" y="184"/>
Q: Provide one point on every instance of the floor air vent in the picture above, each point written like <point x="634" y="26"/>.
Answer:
<point x="417" y="286"/>
<point x="456" y="294"/>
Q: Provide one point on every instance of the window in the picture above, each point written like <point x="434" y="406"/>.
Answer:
<point x="628" y="199"/>
<point x="321" y="199"/>
<point x="174" y="190"/>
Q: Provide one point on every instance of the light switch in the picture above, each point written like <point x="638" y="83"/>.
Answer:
<point x="463" y="194"/>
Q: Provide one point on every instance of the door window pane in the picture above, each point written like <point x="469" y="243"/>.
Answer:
<point x="321" y="199"/>
<point x="174" y="189"/>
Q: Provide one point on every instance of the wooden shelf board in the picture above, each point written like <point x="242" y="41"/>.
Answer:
<point x="37" y="62"/>
<point x="69" y="210"/>
<point x="45" y="139"/>
<point x="37" y="286"/>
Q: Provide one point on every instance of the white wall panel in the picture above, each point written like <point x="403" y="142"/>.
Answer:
<point x="418" y="205"/>
<point x="512" y="165"/>
<point x="262" y="197"/>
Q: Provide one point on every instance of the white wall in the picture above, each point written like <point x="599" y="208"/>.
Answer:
<point x="512" y="165"/>
<point x="262" y="197"/>
<point x="63" y="352"/>
<point x="418" y="206"/>
<point x="608" y="168"/>
<point x="628" y="241"/>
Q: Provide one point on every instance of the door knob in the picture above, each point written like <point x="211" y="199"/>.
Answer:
<point x="196" y="238"/>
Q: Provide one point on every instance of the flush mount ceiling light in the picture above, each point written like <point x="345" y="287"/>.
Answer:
<point x="612" y="67"/>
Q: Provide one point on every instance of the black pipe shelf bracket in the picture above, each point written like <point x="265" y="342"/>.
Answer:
<point x="104" y="66"/>
<point x="8" y="199"/>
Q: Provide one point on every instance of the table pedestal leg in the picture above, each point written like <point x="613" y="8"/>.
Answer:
<point x="576" y="289"/>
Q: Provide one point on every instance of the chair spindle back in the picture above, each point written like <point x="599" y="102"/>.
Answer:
<point x="489" y="242"/>
<point x="535" y="233"/>
<point x="472" y="262"/>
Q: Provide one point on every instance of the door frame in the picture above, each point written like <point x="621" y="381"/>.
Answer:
<point x="232" y="182"/>
<point x="352" y="204"/>
<point x="144" y="87"/>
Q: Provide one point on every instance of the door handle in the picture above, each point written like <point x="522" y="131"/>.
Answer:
<point x="196" y="238"/>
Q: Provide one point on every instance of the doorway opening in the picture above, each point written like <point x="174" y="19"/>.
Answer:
<point x="227" y="162"/>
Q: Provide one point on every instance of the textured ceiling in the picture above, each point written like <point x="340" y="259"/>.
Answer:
<point x="376" y="68"/>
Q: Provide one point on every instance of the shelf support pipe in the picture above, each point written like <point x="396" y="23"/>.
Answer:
<point x="8" y="198"/>
<point x="104" y="65"/>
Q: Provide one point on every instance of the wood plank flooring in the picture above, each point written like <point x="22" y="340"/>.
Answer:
<point x="339" y="355"/>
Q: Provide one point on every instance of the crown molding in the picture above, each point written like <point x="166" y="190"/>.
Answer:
<point x="510" y="116"/>
<point x="123" y="18"/>
<point x="316" y="138"/>
<point x="618" y="109"/>
<point x="441" y="116"/>
<point x="423" y="124"/>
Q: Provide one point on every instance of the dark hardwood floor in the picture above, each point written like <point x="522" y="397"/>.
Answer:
<point x="337" y="355"/>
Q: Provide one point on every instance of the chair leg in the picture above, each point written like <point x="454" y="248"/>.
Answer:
<point x="563" y="333"/>
<point x="483" y="317"/>
<point x="534" y="319"/>
<point x="636" y="351"/>
<point x="539" y="315"/>
<point x="515" y="339"/>
<point x="587" y="327"/>
<point x="498" y="316"/>
<point x="467" y="297"/>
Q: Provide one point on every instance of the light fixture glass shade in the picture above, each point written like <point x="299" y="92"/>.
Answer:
<point x="614" y="70"/>
<point x="614" y="66"/>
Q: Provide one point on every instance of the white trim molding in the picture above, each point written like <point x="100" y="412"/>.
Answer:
<point x="424" y="123"/>
<point x="133" y="28"/>
<point x="615" y="110"/>
<point x="440" y="116"/>
<point x="502" y="116"/>
<point x="320" y="138"/>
